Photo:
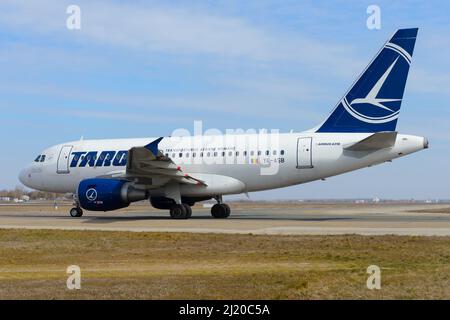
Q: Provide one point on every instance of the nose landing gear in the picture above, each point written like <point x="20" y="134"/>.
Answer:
<point x="76" y="212"/>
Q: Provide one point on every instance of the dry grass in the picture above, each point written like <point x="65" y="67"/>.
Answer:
<point x="126" y="265"/>
<point x="431" y="210"/>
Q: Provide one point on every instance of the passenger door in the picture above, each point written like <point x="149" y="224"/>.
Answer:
<point x="304" y="153"/>
<point x="63" y="160"/>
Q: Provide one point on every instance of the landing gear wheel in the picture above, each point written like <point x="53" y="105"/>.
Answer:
<point x="227" y="207"/>
<point x="76" y="212"/>
<point x="220" y="211"/>
<point x="188" y="210"/>
<point x="178" y="211"/>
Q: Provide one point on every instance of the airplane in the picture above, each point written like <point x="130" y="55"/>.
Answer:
<point x="174" y="173"/>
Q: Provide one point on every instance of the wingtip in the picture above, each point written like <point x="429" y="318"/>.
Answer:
<point x="153" y="146"/>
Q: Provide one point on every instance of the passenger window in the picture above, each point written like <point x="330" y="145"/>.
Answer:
<point x="230" y="153"/>
<point x="180" y="155"/>
<point x="208" y="154"/>
<point x="167" y="155"/>
<point x="259" y="153"/>
<point x="187" y="155"/>
<point x="252" y="153"/>
<point x="237" y="153"/>
<point x="215" y="154"/>
<point x="282" y="152"/>
<point x="201" y="154"/>
<point x="274" y="152"/>
<point x="267" y="152"/>
<point x="173" y="155"/>
<point x="245" y="153"/>
<point x="193" y="154"/>
<point x="223" y="153"/>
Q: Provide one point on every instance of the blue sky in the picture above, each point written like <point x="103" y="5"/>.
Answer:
<point x="145" y="68"/>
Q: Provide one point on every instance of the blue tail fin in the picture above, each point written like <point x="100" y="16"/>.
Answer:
<point x="373" y="102"/>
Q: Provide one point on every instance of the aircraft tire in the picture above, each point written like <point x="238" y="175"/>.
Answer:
<point x="178" y="211"/>
<point x="188" y="210"/>
<point x="227" y="207"/>
<point x="76" y="212"/>
<point x="220" y="211"/>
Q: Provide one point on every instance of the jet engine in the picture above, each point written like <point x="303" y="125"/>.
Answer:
<point x="108" y="194"/>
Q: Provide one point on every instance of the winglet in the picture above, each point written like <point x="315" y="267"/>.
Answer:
<point x="153" y="146"/>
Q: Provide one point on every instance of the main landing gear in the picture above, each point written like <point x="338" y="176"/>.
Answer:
<point x="220" y="210"/>
<point x="180" y="211"/>
<point x="184" y="211"/>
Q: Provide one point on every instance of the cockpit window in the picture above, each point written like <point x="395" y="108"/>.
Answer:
<point x="38" y="158"/>
<point x="43" y="158"/>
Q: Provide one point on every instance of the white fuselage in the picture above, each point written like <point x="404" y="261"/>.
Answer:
<point x="227" y="164"/>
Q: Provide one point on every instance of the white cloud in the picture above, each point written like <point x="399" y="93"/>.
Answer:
<point x="178" y="31"/>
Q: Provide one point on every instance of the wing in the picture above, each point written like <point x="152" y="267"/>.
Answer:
<point x="148" y="165"/>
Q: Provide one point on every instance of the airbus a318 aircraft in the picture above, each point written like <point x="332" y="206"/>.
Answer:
<point x="174" y="173"/>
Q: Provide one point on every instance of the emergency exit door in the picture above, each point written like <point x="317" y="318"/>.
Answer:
<point x="304" y="153"/>
<point x="63" y="160"/>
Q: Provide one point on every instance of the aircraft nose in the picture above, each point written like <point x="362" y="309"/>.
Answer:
<point x="23" y="176"/>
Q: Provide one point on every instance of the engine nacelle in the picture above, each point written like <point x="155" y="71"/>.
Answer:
<point x="108" y="194"/>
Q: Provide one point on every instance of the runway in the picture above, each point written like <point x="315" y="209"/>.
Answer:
<point x="302" y="219"/>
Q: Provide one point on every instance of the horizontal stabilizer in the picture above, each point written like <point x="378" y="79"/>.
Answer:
<point x="376" y="141"/>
